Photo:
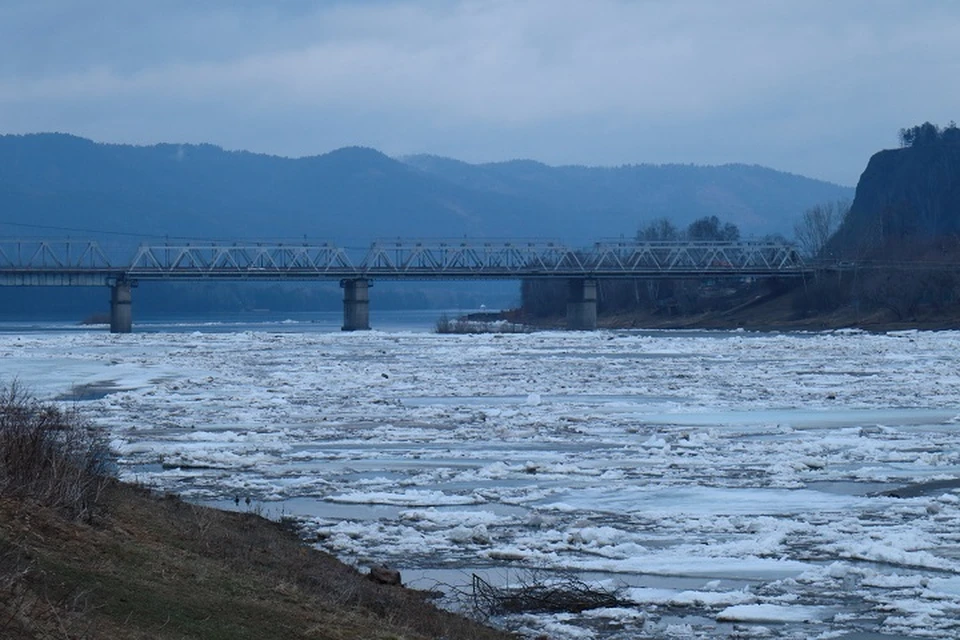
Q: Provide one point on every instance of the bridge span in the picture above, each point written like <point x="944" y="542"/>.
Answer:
<point x="87" y="263"/>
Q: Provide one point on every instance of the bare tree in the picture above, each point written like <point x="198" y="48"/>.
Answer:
<point x="710" y="229"/>
<point x="657" y="230"/>
<point x="818" y="224"/>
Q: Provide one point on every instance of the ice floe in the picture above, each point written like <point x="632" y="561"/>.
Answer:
<point x="721" y="480"/>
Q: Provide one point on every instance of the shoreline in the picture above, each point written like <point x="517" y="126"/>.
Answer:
<point x="767" y="315"/>
<point x="153" y="565"/>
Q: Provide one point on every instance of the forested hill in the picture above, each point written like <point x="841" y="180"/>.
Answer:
<point x="357" y="194"/>
<point x="757" y="199"/>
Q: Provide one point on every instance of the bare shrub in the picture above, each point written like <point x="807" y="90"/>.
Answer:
<point x="818" y="224"/>
<point x="534" y="592"/>
<point x="49" y="455"/>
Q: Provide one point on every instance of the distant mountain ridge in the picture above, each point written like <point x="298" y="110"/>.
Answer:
<point x="356" y="195"/>
<point x="758" y="199"/>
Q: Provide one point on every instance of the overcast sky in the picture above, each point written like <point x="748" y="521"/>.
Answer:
<point x="808" y="86"/>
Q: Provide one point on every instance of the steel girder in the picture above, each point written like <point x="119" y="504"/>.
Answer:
<point x="606" y="260"/>
<point x="49" y="254"/>
<point x="406" y="260"/>
<point x="238" y="261"/>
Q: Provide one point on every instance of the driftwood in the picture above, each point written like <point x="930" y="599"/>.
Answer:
<point x="534" y="595"/>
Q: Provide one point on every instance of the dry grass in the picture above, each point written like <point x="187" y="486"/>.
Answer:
<point x="160" y="568"/>
<point x="49" y="455"/>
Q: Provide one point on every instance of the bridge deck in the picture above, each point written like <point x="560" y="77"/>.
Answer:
<point x="72" y="263"/>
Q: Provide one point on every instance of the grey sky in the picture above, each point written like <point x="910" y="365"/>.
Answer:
<point x="807" y="86"/>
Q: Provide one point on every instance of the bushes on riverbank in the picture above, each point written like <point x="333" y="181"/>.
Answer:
<point x="52" y="463"/>
<point x="49" y="456"/>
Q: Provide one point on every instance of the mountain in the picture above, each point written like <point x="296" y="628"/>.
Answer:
<point x="55" y="184"/>
<point x="617" y="199"/>
<point x="203" y="191"/>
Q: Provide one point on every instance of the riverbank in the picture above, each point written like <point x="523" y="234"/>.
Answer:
<point x="765" y="313"/>
<point x="768" y="319"/>
<point x="150" y="566"/>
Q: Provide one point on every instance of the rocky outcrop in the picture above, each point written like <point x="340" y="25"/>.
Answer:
<point x="904" y="195"/>
<point x="382" y="574"/>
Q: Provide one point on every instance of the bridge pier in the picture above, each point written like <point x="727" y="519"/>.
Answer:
<point x="582" y="304"/>
<point x="356" y="304"/>
<point x="121" y="313"/>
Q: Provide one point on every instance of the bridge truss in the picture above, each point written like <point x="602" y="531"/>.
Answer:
<point x="73" y="262"/>
<point x="63" y="262"/>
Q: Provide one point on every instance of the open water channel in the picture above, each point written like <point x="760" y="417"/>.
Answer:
<point x="725" y="484"/>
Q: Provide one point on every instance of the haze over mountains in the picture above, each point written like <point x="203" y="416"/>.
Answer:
<point x="51" y="183"/>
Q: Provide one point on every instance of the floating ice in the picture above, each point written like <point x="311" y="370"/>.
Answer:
<point x="771" y="613"/>
<point x="717" y="475"/>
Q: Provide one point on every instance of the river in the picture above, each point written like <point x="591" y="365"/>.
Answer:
<point x="722" y="483"/>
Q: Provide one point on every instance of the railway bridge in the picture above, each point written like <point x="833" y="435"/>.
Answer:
<point x="51" y="263"/>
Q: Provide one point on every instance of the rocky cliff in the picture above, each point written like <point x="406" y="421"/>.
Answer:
<point x="904" y="196"/>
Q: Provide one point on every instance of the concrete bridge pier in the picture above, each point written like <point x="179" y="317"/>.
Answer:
<point x="121" y="313"/>
<point x="356" y="304"/>
<point x="582" y="304"/>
